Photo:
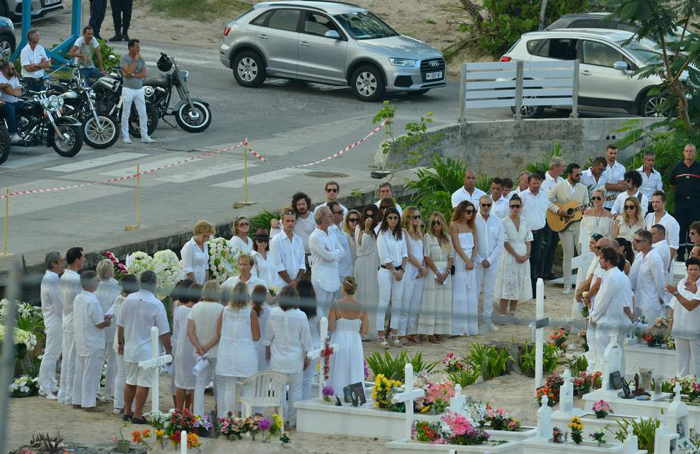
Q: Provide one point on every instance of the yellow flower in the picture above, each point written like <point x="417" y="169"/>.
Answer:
<point x="160" y="434"/>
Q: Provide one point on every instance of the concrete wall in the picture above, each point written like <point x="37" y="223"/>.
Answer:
<point x="506" y="147"/>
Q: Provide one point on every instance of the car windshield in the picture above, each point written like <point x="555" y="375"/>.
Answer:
<point x="365" y="25"/>
<point x="645" y="50"/>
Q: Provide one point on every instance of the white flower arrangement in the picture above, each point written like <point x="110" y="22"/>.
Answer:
<point x="169" y="271"/>
<point x="21" y="337"/>
<point x="222" y="262"/>
<point x="24" y="386"/>
<point x="25" y="311"/>
<point x="138" y="262"/>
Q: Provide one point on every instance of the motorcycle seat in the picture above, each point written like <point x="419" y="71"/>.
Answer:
<point x="156" y="83"/>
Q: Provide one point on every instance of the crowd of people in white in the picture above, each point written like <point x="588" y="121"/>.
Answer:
<point x="381" y="272"/>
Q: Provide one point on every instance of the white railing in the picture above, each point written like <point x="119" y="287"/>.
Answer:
<point x="519" y="84"/>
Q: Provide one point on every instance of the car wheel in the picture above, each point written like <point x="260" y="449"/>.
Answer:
<point x="249" y="69"/>
<point x="529" y="111"/>
<point x="651" y="105"/>
<point x="367" y="83"/>
<point x="7" y="46"/>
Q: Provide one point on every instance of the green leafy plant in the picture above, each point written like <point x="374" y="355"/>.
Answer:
<point x="392" y="367"/>
<point x="542" y="165"/>
<point x="644" y="429"/>
<point x="465" y="377"/>
<point x="490" y="360"/>
<point x="526" y="361"/>
<point x="434" y="186"/>
<point x="262" y="220"/>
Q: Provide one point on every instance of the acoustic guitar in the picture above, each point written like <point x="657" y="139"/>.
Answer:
<point x="559" y="223"/>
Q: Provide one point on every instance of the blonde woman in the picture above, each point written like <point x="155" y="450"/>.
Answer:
<point x="347" y="321"/>
<point x="596" y="219"/>
<point x="195" y="256"/>
<point x="631" y="220"/>
<point x="465" y="293"/>
<point x="436" y="310"/>
<point x="415" y="272"/>
<point x="366" y="263"/>
<point x="108" y="290"/>
<point x="237" y="330"/>
<point x="240" y="243"/>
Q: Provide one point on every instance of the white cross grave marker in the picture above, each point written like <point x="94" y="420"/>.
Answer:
<point x="183" y="442"/>
<point x="317" y="354"/>
<point x="540" y="324"/>
<point x="566" y="401"/>
<point x="155" y="363"/>
<point x="631" y="445"/>
<point x="408" y="395"/>
<point x="458" y="403"/>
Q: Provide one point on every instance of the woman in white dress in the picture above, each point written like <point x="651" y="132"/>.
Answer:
<point x="393" y="256"/>
<point x="184" y="355"/>
<point x="263" y="268"/>
<point x="237" y="331"/>
<point x="436" y="310"/>
<point x="347" y="322"/>
<point x="240" y="243"/>
<point x="626" y="224"/>
<point x="415" y="272"/>
<point x="596" y="219"/>
<point x="513" y="282"/>
<point x="195" y="254"/>
<point x="686" y="319"/>
<point x="108" y="290"/>
<point x="129" y="284"/>
<point x="365" y="265"/>
<point x="465" y="294"/>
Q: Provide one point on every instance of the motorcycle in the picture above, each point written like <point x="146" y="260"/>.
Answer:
<point x="99" y="130"/>
<point x="40" y="120"/>
<point x="108" y="102"/>
<point x="4" y="143"/>
<point x="192" y="114"/>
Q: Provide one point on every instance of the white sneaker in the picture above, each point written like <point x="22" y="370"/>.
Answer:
<point x="567" y="290"/>
<point x="147" y="140"/>
<point x="15" y="138"/>
<point x="490" y="326"/>
<point x="49" y="396"/>
<point x="127" y="140"/>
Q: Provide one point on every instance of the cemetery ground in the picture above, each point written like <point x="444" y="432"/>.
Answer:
<point x="514" y="392"/>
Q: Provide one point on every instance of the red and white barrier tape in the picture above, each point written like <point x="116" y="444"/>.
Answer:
<point x="206" y="154"/>
<point x="256" y="154"/>
<point x="347" y="148"/>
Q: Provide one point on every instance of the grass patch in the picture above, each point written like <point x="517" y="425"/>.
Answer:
<point x="201" y="11"/>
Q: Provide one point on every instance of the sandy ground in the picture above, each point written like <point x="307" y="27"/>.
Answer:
<point x="514" y="392"/>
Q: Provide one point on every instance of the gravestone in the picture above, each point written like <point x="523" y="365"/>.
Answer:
<point x="544" y="420"/>
<point x="408" y="396"/>
<point x="154" y="364"/>
<point x="458" y="404"/>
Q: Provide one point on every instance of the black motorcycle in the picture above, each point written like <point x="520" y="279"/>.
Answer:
<point x="108" y="102"/>
<point x="191" y="114"/>
<point x="40" y="121"/>
<point x="4" y="143"/>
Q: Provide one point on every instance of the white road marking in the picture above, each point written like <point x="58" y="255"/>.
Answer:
<point x="261" y="178"/>
<point x="212" y="169"/>
<point x="18" y="160"/>
<point x="124" y="171"/>
<point x="97" y="162"/>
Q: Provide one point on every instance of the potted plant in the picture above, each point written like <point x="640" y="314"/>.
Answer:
<point x="601" y="409"/>
<point x="599" y="437"/>
<point x="576" y="427"/>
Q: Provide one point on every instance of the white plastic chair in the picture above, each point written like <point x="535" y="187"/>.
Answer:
<point x="264" y="390"/>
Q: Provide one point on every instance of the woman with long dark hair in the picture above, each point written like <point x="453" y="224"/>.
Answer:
<point x="366" y="264"/>
<point x="393" y="256"/>
<point x="465" y="292"/>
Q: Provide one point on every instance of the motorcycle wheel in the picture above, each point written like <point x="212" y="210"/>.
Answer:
<point x="101" y="133"/>
<point x="196" y="119"/>
<point x="72" y="142"/>
<point x="4" y="144"/>
<point x="135" y="130"/>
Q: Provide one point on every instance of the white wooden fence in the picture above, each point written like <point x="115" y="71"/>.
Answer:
<point x="519" y="84"/>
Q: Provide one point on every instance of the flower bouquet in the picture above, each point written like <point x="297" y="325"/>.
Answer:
<point x="426" y="431"/>
<point x="223" y="263"/>
<point x="458" y="430"/>
<point x="328" y="393"/>
<point x="169" y="270"/>
<point x="383" y="392"/>
<point x="138" y="262"/>
<point x="576" y="427"/>
<point x="499" y="419"/>
<point x="453" y="364"/>
<point x="232" y="428"/>
<point x="557" y="435"/>
<point x="550" y="389"/>
<point x="585" y="382"/>
<point x="559" y="337"/>
<point x="24" y="386"/>
<point x="601" y="409"/>
<point x="119" y="268"/>
<point x="437" y="397"/>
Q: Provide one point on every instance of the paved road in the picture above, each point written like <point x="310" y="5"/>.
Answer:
<point x="290" y="123"/>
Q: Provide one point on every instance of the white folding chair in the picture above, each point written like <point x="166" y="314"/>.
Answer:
<point x="264" y="390"/>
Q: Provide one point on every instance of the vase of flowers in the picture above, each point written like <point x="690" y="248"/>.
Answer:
<point x="576" y="427"/>
<point x="601" y="409"/>
<point x="557" y="435"/>
<point x="328" y="393"/>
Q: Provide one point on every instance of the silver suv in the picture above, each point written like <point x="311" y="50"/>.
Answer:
<point x="331" y="43"/>
<point x="608" y="60"/>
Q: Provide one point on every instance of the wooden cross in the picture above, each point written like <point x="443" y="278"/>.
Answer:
<point x="408" y="396"/>
<point x="155" y="363"/>
<point x="325" y="351"/>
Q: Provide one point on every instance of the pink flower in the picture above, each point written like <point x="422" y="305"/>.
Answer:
<point x="458" y="424"/>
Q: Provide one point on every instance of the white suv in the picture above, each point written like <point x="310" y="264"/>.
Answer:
<point x="608" y="60"/>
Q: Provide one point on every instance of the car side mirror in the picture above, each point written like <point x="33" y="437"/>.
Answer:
<point x="332" y="34"/>
<point x="621" y="66"/>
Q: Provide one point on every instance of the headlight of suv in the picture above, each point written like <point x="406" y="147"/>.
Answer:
<point x="403" y="62"/>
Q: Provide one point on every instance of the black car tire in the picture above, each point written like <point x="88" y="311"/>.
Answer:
<point x="248" y="69"/>
<point x="4" y="143"/>
<point x="647" y="103"/>
<point x="367" y="83"/>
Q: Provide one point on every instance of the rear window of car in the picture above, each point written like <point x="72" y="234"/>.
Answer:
<point x="539" y="47"/>
<point x="559" y="48"/>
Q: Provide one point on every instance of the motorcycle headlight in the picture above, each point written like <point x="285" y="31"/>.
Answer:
<point x="148" y="91"/>
<point x="184" y="76"/>
<point x="54" y="102"/>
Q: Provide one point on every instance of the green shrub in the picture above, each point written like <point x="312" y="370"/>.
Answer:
<point x="262" y="220"/>
<point x="550" y="358"/>
<point x="434" y="186"/>
<point x="577" y="364"/>
<point x="392" y="367"/>
<point x="465" y="377"/>
<point x="490" y="360"/>
<point x="644" y="429"/>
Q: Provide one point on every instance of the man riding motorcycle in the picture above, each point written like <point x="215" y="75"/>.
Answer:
<point x="86" y="51"/>
<point x="10" y="92"/>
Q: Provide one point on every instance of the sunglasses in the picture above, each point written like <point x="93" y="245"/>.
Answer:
<point x="416" y="216"/>
<point x="486" y="204"/>
<point x="243" y="223"/>
<point x="392" y="217"/>
<point x="630" y="207"/>
<point x="514" y="206"/>
<point x="596" y="198"/>
<point x="332" y="190"/>
<point x="369" y="216"/>
<point x="434" y="223"/>
<point x="469" y="211"/>
<point x="353" y="220"/>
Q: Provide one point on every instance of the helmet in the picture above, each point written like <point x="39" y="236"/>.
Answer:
<point x="164" y="63"/>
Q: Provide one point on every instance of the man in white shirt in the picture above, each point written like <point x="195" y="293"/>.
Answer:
<point x="651" y="178"/>
<point x="551" y="178"/>
<point x="332" y="190"/>
<point x="10" y="92"/>
<point x="633" y="180"/>
<point x="287" y="253"/>
<point x="523" y="184"/>
<point x="467" y="192"/>
<point x="500" y="203"/>
<point x="70" y="287"/>
<point x="325" y="255"/>
<point x="658" y="238"/>
<point x="90" y="322"/>
<point x="535" y="205"/>
<point x="139" y="313"/>
<point x="34" y="62"/>
<point x="489" y="230"/>
<point x="686" y="320"/>
<point x="659" y="215"/>
<point x="245" y="266"/>
<point x="648" y="277"/>
<point x="345" y="264"/>
<point x="614" y="176"/>
<point x="86" y="51"/>
<point x="594" y="177"/>
<point x="52" y="311"/>
<point x="305" y="223"/>
<point x="385" y="192"/>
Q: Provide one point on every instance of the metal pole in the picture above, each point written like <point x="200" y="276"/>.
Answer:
<point x="462" y="93"/>
<point x="7" y="366"/>
<point x="519" y="89"/>
<point x="543" y="11"/>
<point x="574" y="95"/>
<point x="6" y="226"/>
<point x="246" y="150"/>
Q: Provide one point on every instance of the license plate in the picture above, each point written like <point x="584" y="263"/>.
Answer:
<point x="435" y="75"/>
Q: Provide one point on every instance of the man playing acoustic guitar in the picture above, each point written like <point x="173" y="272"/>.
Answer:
<point x="570" y="190"/>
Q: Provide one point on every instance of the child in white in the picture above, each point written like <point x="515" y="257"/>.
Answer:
<point x="288" y="338"/>
<point x="237" y="331"/>
<point x="184" y="356"/>
<point x="108" y="290"/>
<point x="90" y="322"/>
<point x="130" y="284"/>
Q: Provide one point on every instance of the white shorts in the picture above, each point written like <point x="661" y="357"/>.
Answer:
<point x="138" y="376"/>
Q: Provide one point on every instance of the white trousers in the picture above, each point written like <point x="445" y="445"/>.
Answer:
<point x="569" y="240"/>
<point x="390" y="292"/>
<point x="412" y="300"/>
<point x="310" y="379"/>
<point x="68" y="362"/>
<point x="688" y="356"/>
<point x="201" y="382"/>
<point x="465" y="303"/>
<point x="52" y="352"/>
<point x="324" y="300"/>
<point x="111" y="372"/>
<point x="90" y="368"/>
<point x="119" y="382"/>
<point x="135" y="96"/>
<point x="486" y="282"/>
<point x="295" y="384"/>
<point x="227" y="395"/>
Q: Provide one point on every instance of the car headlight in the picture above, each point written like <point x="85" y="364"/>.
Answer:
<point x="403" y="62"/>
